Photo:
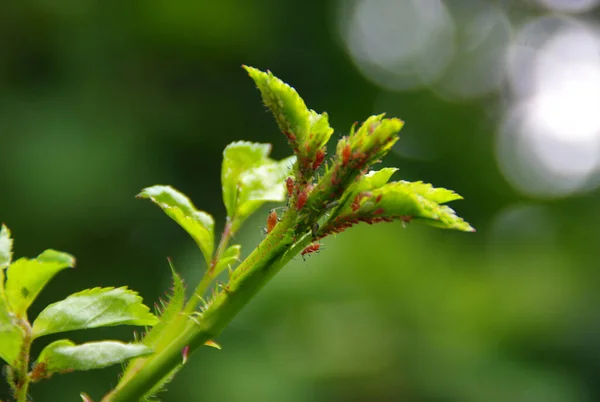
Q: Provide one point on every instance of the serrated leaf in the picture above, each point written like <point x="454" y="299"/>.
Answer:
<point x="287" y="106"/>
<point x="370" y="181"/>
<point x="229" y="257"/>
<point x="319" y="129"/>
<point x="26" y="278"/>
<point x="249" y="179"/>
<point x="438" y="195"/>
<point x="64" y="355"/>
<point x="91" y="308"/>
<point x="10" y="336"/>
<point x="176" y="205"/>
<point x="307" y="130"/>
<point x="6" y="243"/>
<point x="375" y="137"/>
<point x="412" y="200"/>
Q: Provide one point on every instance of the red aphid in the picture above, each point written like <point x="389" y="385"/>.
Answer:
<point x="311" y="248"/>
<point x="302" y="197"/>
<point x="378" y="211"/>
<point x="290" y="136"/>
<point x="346" y="152"/>
<point x="334" y="180"/>
<point x="271" y="221"/>
<point x="379" y="197"/>
<point x="289" y="184"/>
<point x="356" y="203"/>
<point x="319" y="158"/>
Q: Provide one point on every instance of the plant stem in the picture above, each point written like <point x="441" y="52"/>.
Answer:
<point x="208" y="276"/>
<point x="276" y="250"/>
<point x="23" y="378"/>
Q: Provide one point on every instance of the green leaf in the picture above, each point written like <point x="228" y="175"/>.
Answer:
<point x="307" y="130"/>
<point x="6" y="243"/>
<point x="259" y="185"/>
<point x="10" y="336"/>
<point x="287" y="106"/>
<point x="438" y="195"/>
<point x="249" y="179"/>
<point x="420" y="202"/>
<point x="63" y="355"/>
<point x="370" y="181"/>
<point x="375" y="137"/>
<point x="91" y="308"/>
<point x="238" y="157"/>
<point x="26" y="278"/>
<point x="176" y="205"/>
<point x="229" y="257"/>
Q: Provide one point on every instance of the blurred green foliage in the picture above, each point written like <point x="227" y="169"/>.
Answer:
<point x="99" y="100"/>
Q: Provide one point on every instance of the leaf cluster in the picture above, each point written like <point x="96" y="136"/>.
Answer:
<point x="21" y="281"/>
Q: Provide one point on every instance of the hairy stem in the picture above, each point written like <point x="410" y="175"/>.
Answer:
<point x="276" y="250"/>
<point x="22" y="376"/>
<point x="208" y="276"/>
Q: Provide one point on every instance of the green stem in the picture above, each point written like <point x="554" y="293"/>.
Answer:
<point x="276" y="250"/>
<point x="208" y="276"/>
<point x="23" y="378"/>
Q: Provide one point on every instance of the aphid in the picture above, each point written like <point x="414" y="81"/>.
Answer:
<point x="378" y="211"/>
<point x="271" y="220"/>
<point x="346" y="152"/>
<point x="379" y="197"/>
<point x="289" y="184"/>
<point x="311" y="248"/>
<point x="356" y="203"/>
<point x="334" y="179"/>
<point x="319" y="157"/>
<point x="290" y="136"/>
<point x="302" y="197"/>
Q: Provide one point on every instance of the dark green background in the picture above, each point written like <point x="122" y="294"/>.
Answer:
<point x="100" y="99"/>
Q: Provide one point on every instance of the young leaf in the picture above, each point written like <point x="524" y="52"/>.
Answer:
<point x="26" y="278"/>
<point x="237" y="158"/>
<point x="229" y="257"/>
<point x="10" y="336"/>
<point x="438" y="195"/>
<point x="368" y="182"/>
<point x="91" y="308"/>
<point x="63" y="355"/>
<point x="198" y="224"/>
<point x="249" y="178"/>
<point x="6" y="243"/>
<point x="307" y="130"/>
<point x="419" y="201"/>
<point x="287" y="106"/>
<point x="259" y="185"/>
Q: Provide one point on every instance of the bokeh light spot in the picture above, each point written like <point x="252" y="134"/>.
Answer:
<point x="550" y="142"/>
